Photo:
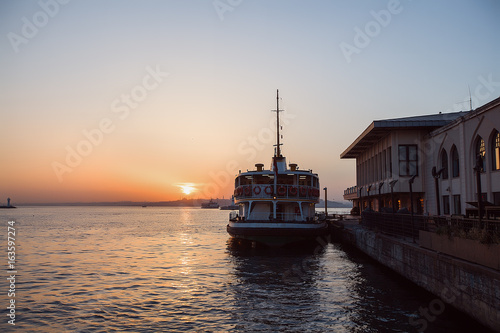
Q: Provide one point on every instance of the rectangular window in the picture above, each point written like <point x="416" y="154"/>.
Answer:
<point x="446" y="204"/>
<point x="384" y="159"/>
<point x="389" y="155"/>
<point x="496" y="198"/>
<point x="457" y="209"/>
<point x="408" y="159"/>
<point x="365" y="172"/>
<point x="372" y="170"/>
<point x="380" y="169"/>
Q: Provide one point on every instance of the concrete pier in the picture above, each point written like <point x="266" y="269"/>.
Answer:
<point x="467" y="286"/>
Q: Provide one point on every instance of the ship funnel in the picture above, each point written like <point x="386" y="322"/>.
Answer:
<point x="259" y="166"/>
<point x="293" y="166"/>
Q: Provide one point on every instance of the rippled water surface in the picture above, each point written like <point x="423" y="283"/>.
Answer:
<point x="154" y="269"/>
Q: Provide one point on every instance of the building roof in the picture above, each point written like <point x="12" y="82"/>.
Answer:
<point x="380" y="128"/>
<point x="475" y="113"/>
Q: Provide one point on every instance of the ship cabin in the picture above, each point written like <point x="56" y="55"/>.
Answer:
<point x="291" y="197"/>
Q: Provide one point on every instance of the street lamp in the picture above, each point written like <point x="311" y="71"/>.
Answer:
<point x="477" y="169"/>
<point x="326" y="205"/>
<point x="410" y="181"/>
<point x="379" y="195"/>
<point x="369" y="200"/>
<point x="391" y="184"/>
<point x="436" y="176"/>
<point x="360" y="199"/>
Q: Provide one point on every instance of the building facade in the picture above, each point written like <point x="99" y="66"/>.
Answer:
<point x="426" y="163"/>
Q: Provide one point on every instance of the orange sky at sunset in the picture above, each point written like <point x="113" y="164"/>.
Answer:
<point x="156" y="94"/>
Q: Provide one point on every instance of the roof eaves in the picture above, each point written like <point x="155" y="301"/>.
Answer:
<point x="358" y="139"/>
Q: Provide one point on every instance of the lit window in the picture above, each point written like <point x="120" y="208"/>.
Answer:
<point x="480" y="152"/>
<point x="495" y="153"/>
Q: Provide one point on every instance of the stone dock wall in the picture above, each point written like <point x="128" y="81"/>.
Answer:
<point x="469" y="287"/>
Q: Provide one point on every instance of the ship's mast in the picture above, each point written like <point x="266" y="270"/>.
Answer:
<point x="278" y="150"/>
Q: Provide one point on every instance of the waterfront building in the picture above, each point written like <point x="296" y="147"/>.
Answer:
<point x="426" y="163"/>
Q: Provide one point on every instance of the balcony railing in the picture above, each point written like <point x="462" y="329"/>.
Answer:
<point x="282" y="192"/>
<point x="351" y="190"/>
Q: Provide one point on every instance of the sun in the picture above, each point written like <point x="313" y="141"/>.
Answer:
<point x="187" y="188"/>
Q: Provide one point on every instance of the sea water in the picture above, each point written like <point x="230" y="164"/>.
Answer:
<point x="166" y="269"/>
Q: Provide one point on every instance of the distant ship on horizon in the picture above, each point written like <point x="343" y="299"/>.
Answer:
<point x="210" y="205"/>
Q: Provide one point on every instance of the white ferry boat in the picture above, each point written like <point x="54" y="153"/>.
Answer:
<point x="276" y="206"/>
<point x="210" y="205"/>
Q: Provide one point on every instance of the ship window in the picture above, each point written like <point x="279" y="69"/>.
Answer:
<point x="262" y="179"/>
<point x="245" y="180"/>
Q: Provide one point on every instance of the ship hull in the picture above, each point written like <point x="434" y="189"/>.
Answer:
<point x="277" y="234"/>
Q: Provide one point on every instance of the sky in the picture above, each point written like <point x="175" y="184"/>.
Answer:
<point x="132" y="100"/>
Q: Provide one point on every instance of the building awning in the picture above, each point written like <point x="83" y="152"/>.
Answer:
<point x="380" y="128"/>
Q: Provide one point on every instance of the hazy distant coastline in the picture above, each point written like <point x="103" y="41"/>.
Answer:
<point x="175" y="203"/>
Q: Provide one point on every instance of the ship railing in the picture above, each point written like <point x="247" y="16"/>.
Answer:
<point x="266" y="191"/>
<point x="280" y="217"/>
<point x="233" y="216"/>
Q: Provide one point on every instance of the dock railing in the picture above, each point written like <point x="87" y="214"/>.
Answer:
<point x="400" y="225"/>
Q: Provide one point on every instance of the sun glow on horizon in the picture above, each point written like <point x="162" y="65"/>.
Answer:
<point x="187" y="188"/>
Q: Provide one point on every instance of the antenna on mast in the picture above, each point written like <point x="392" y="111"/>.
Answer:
<point x="277" y="152"/>
<point x="470" y="98"/>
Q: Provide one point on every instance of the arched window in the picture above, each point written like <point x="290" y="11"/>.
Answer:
<point x="481" y="152"/>
<point x="455" y="162"/>
<point x="495" y="150"/>
<point x="444" y="164"/>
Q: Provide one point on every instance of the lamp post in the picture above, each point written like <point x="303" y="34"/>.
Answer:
<point x="326" y="204"/>
<point x="410" y="181"/>
<point x="391" y="184"/>
<point x="379" y="195"/>
<point x="360" y="200"/>
<point x="477" y="169"/>
<point x="369" y="200"/>
<point x="436" y="176"/>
